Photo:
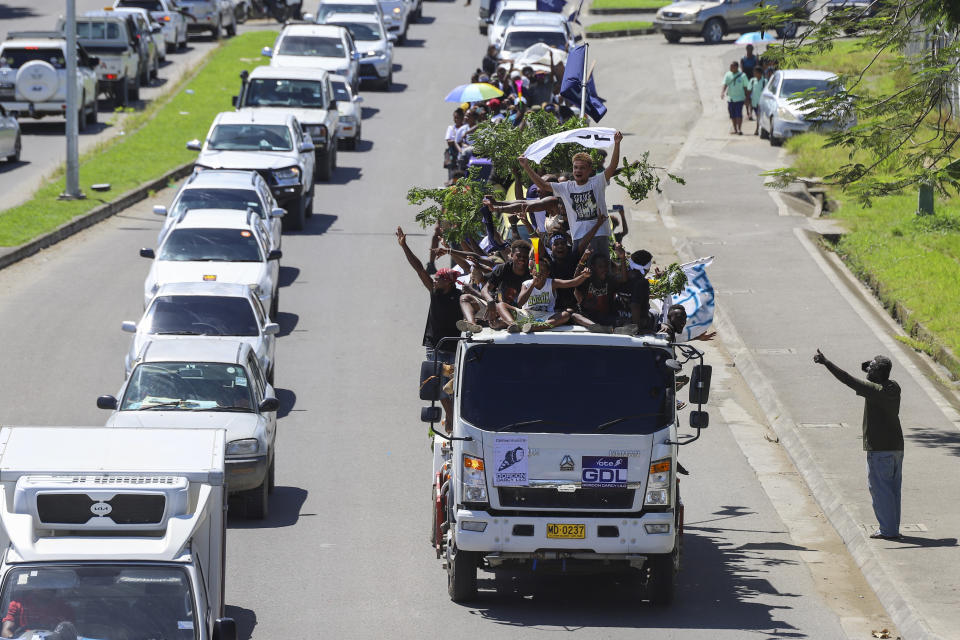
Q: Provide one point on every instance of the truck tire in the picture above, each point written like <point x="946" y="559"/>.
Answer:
<point x="257" y="502"/>
<point x="672" y="38"/>
<point x="483" y="30"/>
<point x="216" y="30"/>
<point x="121" y="97"/>
<point x="134" y="92"/>
<point x="658" y="578"/>
<point x="274" y="307"/>
<point x="81" y="116"/>
<point x="271" y="471"/>
<point x="461" y="573"/>
<point x="232" y="29"/>
<point x="713" y="31"/>
<point x="324" y="166"/>
<point x="37" y="81"/>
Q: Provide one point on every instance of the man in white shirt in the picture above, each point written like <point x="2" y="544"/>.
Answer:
<point x="584" y="196"/>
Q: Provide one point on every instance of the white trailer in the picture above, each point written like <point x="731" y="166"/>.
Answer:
<point x="114" y="534"/>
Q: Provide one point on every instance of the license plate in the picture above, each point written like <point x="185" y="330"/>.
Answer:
<point x="567" y="531"/>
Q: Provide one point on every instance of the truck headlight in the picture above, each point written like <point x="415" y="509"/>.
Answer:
<point x="345" y="119"/>
<point x="245" y="447"/>
<point x="290" y="175"/>
<point x="658" y="484"/>
<point x="397" y="10"/>
<point x="787" y="115"/>
<point x="474" y="480"/>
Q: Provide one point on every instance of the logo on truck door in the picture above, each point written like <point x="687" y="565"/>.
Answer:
<point x="510" y="461"/>
<point x="100" y="509"/>
<point x="604" y="471"/>
<point x="566" y="463"/>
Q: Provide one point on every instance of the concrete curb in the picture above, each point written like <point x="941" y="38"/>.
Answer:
<point x="104" y="211"/>
<point x="621" y="33"/>
<point x="613" y="12"/>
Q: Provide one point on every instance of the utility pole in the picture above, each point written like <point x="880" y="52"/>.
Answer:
<point x="72" y="191"/>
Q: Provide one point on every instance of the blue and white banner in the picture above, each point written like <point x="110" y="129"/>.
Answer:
<point x="698" y="298"/>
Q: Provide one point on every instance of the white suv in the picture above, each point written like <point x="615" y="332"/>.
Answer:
<point x="373" y="43"/>
<point x="167" y="14"/>
<point x="504" y="15"/>
<point x="317" y="46"/>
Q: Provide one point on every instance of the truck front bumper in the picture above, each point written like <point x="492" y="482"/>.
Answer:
<point x="245" y="473"/>
<point x="609" y="537"/>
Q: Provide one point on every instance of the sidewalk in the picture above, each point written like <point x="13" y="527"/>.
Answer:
<point x="779" y="299"/>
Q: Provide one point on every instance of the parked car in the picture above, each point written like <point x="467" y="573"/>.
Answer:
<point x="374" y="45"/>
<point x="517" y="39"/>
<point x="215" y="16"/>
<point x="268" y="142"/>
<point x="547" y="19"/>
<point x="317" y="46"/>
<point x="850" y="12"/>
<point x="349" y="128"/>
<point x="203" y="384"/>
<point x="329" y="7"/>
<point x="197" y="310"/>
<point x="168" y="14"/>
<point x="503" y="15"/>
<point x="783" y="113"/>
<point x="305" y="93"/>
<point x="225" y="189"/>
<point x="396" y="17"/>
<point x="33" y="76"/>
<point x="10" y="143"/>
<point x="713" y="19"/>
<point x="152" y="29"/>
<point x="113" y="39"/>
<point x="214" y="246"/>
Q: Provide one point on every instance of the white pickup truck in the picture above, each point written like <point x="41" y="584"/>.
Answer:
<point x="562" y="456"/>
<point x="113" y="533"/>
<point x="33" y="76"/>
<point x="112" y="37"/>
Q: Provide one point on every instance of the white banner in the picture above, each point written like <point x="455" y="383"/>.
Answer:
<point x="590" y="137"/>
<point x="698" y="298"/>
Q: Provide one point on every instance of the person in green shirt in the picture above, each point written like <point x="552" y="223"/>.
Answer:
<point x="735" y="88"/>
<point x="755" y="88"/>
<point x="882" y="438"/>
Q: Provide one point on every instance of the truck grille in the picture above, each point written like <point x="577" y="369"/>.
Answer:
<point x="553" y="499"/>
<point x="74" y="508"/>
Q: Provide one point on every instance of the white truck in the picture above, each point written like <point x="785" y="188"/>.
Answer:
<point x="562" y="456"/>
<point x="113" y="533"/>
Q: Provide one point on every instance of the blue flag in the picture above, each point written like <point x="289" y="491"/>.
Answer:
<point x="572" y="82"/>
<point x="555" y="6"/>
<point x="575" y="15"/>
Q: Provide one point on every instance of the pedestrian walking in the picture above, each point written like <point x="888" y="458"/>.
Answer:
<point x="882" y="438"/>
<point x="748" y="63"/>
<point x="734" y="89"/>
<point x="755" y="88"/>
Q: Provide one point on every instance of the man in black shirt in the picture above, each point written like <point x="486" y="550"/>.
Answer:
<point x="882" y="438"/>
<point x="489" y="63"/>
<point x="442" y="316"/>
<point x="505" y="283"/>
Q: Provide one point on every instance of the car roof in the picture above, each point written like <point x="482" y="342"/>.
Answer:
<point x="807" y="74"/>
<point x="288" y="73"/>
<point x="372" y="3"/>
<point x="219" y="289"/>
<point x="255" y="116"/>
<point x="519" y="4"/>
<point x="334" y="18"/>
<point x="537" y="17"/>
<point x="213" y="219"/>
<point x="327" y="30"/>
<point x="195" y="350"/>
<point x="222" y="178"/>
<point x="534" y="28"/>
<point x="102" y="14"/>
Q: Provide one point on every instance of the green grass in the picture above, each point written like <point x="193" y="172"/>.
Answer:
<point x="153" y="144"/>
<point x="630" y="4"/>
<point x="601" y="27"/>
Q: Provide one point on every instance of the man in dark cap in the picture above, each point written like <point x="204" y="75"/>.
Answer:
<point x="882" y="438"/>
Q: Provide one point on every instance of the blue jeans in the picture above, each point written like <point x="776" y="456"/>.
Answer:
<point x="884" y="475"/>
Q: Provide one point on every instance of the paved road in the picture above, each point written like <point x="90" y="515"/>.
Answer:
<point x="344" y="553"/>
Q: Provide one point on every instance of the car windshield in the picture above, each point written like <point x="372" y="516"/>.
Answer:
<point x="271" y="92"/>
<point x="520" y="40"/>
<point x="200" y="316"/>
<point x="98" y="30"/>
<point x="340" y="92"/>
<point x="204" y="198"/>
<point x="16" y="57"/>
<point x="362" y="31"/>
<point x="326" y="9"/>
<point x="107" y="602"/>
<point x="149" y="5"/>
<point x="311" y="46"/>
<point x="505" y="17"/>
<point x="611" y="383"/>
<point x="211" y="245"/>
<point x="251" y="137"/>
<point x="792" y="86"/>
<point x="187" y="386"/>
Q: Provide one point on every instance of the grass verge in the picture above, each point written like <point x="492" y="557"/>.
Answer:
<point x="153" y="142"/>
<point x="625" y="25"/>
<point x="911" y="262"/>
<point x="630" y="4"/>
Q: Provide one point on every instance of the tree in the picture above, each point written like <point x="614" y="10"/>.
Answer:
<point x="904" y="136"/>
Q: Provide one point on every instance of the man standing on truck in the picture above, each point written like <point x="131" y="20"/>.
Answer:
<point x="882" y="438"/>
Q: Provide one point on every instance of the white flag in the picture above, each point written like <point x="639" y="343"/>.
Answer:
<point x="591" y="137"/>
<point x="697" y="298"/>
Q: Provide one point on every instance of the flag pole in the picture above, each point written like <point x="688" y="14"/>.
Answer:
<point x="583" y="85"/>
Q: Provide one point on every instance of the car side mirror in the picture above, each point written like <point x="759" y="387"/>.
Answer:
<point x="275" y="254"/>
<point x="309" y="17"/>
<point x="268" y="404"/>
<point x="224" y="629"/>
<point x="307" y="147"/>
<point x="271" y="329"/>
<point x="358" y="99"/>
<point x="234" y="100"/>
<point x="266" y="52"/>
<point x="431" y="380"/>
<point x="159" y="210"/>
<point x="106" y="402"/>
<point x="147" y="253"/>
<point x="194" y="145"/>
<point x="278" y="213"/>
<point x="332" y="105"/>
<point x="392" y="37"/>
<point x="355" y="55"/>
<point x="128" y="326"/>
<point x="699" y="419"/>
<point x="700" y="384"/>
<point x="430" y="414"/>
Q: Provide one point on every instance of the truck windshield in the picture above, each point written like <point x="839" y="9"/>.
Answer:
<point x="566" y="388"/>
<point x="107" y="602"/>
<point x="278" y="92"/>
<point x="187" y="386"/>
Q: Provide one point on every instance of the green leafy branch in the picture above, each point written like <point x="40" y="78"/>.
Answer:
<point x="639" y="177"/>
<point x="669" y="283"/>
<point x="454" y="208"/>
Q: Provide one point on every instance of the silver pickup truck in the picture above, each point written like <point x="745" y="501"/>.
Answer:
<point x="112" y="37"/>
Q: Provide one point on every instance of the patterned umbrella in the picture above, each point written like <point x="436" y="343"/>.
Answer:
<point x="475" y="92"/>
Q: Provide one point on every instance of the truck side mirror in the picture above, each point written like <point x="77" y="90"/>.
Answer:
<point x="278" y="213"/>
<point x="159" y="210"/>
<point x="106" y="402"/>
<point x="268" y="404"/>
<point x="271" y="329"/>
<point x="275" y="254"/>
<point x="234" y="100"/>
<point x="700" y="384"/>
<point x="430" y="414"/>
<point x="147" y="253"/>
<point x="128" y="326"/>
<point x="194" y="145"/>
<point x="332" y="105"/>
<point x="699" y="419"/>
<point x="266" y="52"/>
<point x="431" y="383"/>
<point x="224" y="629"/>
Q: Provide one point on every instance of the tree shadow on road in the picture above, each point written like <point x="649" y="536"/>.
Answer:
<point x="945" y="440"/>
<point x="8" y="12"/>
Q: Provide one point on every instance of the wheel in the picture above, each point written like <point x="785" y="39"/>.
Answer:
<point x="144" y="76"/>
<point x="232" y="29"/>
<point x="672" y="38"/>
<point x="156" y="69"/>
<point x="402" y="38"/>
<point x="324" y="167"/>
<point x="308" y="210"/>
<point x="256" y="502"/>
<point x="774" y="141"/>
<point x="121" y="94"/>
<point x="134" y="93"/>
<point x="182" y="44"/>
<point x="386" y="82"/>
<point x="274" y="308"/>
<point x="333" y="152"/>
<point x="461" y="573"/>
<point x="483" y="29"/>
<point x="270" y="378"/>
<point x="17" y="146"/>
<point x="764" y="134"/>
<point x="713" y="31"/>
<point x="658" y="578"/>
<point x="82" y="115"/>
<point x="215" y="31"/>
<point x="271" y="471"/>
